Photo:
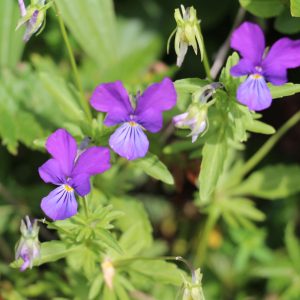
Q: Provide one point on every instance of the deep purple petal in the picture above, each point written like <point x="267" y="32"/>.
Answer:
<point x="60" y="204"/>
<point x="92" y="161"/>
<point x="283" y="55"/>
<point x="81" y="184"/>
<point x="248" y="39"/>
<point x="254" y="93"/>
<point x="156" y="98"/>
<point x="113" y="99"/>
<point x="244" y="67"/>
<point x="62" y="146"/>
<point x="129" y="141"/>
<point x="50" y="172"/>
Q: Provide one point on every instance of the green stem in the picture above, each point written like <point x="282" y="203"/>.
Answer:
<point x="85" y="206"/>
<point x="206" y="64"/>
<point x="212" y="219"/>
<point x="77" y="79"/>
<point x="266" y="148"/>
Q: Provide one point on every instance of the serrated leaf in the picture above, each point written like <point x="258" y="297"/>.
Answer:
<point x="272" y="182"/>
<point x="152" y="166"/>
<point x="214" y="154"/>
<point x="292" y="244"/>
<point x="287" y="89"/>
<point x="50" y="251"/>
<point x="295" y="8"/>
<point x="263" y="8"/>
<point x="11" y="44"/>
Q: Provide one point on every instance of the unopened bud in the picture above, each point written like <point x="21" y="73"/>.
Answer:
<point x="108" y="272"/>
<point x="193" y="290"/>
<point x="28" y="247"/>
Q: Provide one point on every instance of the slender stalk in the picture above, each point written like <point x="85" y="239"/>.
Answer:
<point x="266" y="148"/>
<point x="85" y="206"/>
<point x="212" y="219"/>
<point x="77" y="79"/>
<point x="206" y="64"/>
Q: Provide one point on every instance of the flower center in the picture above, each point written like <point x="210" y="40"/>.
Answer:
<point x="132" y="123"/>
<point x="68" y="188"/>
<point x="256" y="76"/>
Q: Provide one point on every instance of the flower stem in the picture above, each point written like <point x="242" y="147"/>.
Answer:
<point x="212" y="219"/>
<point x="77" y="79"/>
<point x="85" y="206"/>
<point x="266" y="148"/>
<point x="206" y="64"/>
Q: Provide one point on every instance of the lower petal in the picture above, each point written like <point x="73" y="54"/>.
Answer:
<point x="254" y="93"/>
<point x="60" y="204"/>
<point x="129" y="141"/>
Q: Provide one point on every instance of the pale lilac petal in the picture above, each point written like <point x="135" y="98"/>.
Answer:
<point x="113" y="99"/>
<point x="22" y="7"/>
<point x="157" y="98"/>
<point x="248" y="39"/>
<point x="62" y="146"/>
<point x="31" y="26"/>
<point x="254" y="93"/>
<point x="129" y="141"/>
<point x="50" y="172"/>
<point x="244" y="67"/>
<point x="283" y="55"/>
<point x="92" y="161"/>
<point x="60" y="204"/>
<point x="81" y="184"/>
<point x="181" y="120"/>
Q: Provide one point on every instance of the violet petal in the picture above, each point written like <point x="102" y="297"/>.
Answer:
<point x="51" y="172"/>
<point x="113" y="99"/>
<point x="254" y="93"/>
<point x="60" y="204"/>
<point x="129" y="141"/>
<point x="244" y="67"/>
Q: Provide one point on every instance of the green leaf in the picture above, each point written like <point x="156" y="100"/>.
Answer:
<point x="292" y="245"/>
<point x="214" y="154"/>
<point x="287" y="89"/>
<point x="238" y="211"/>
<point x="11" y="44"/>
<point x="259" y="127"/>
<point x="185" y="88"/>
<point x="50" y="251"/>
<point x="286" y="24"/>
<point x="96" y="286"/>
<point x="263" y="8"/>
<point x="152" y="166"/>
<point x="295" y="8"/>
<point x="272" y="182"/>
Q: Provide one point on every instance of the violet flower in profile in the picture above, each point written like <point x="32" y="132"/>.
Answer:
<point x="28" y="247"/>
<point x="129" y="140"/>
<point x="70" y="169"/>
<point x="249" y="41"/>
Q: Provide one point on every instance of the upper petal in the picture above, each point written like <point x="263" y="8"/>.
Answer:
<point x="248" y="39"/>
<point x="244" y="67"/>
<point x="156" y="98"/>
<point x="60" y="204"/>
<point x="92" y="161"/>
<point x="62" y="146"/>
<point x="113" y="99"/>
<point x="284" y="54"/>
<point x="254" y="93"/>
<point x="129" y="141"/>
<point x="51" y="172"/>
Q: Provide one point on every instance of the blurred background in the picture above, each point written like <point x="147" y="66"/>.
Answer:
<point x="130" y="45"/>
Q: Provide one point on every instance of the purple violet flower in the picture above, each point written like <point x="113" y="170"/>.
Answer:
<point x="249" y="41"/>
<point x="129" y="140"/>
<point x="70" y="169"/>
<point x="28" y="247"/>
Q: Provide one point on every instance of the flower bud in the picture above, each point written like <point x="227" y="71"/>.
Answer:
<point x="193" y="290"/>
<point x="187" y="33"/>
<point x="33" y="17"/>
<point x="28" y="247"/>
<point x="108" y="272"/>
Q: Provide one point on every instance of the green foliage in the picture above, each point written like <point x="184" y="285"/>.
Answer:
<point x="286" y="24"/>
<point x="295" y="8"/>
<point x="263" y="8"/>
